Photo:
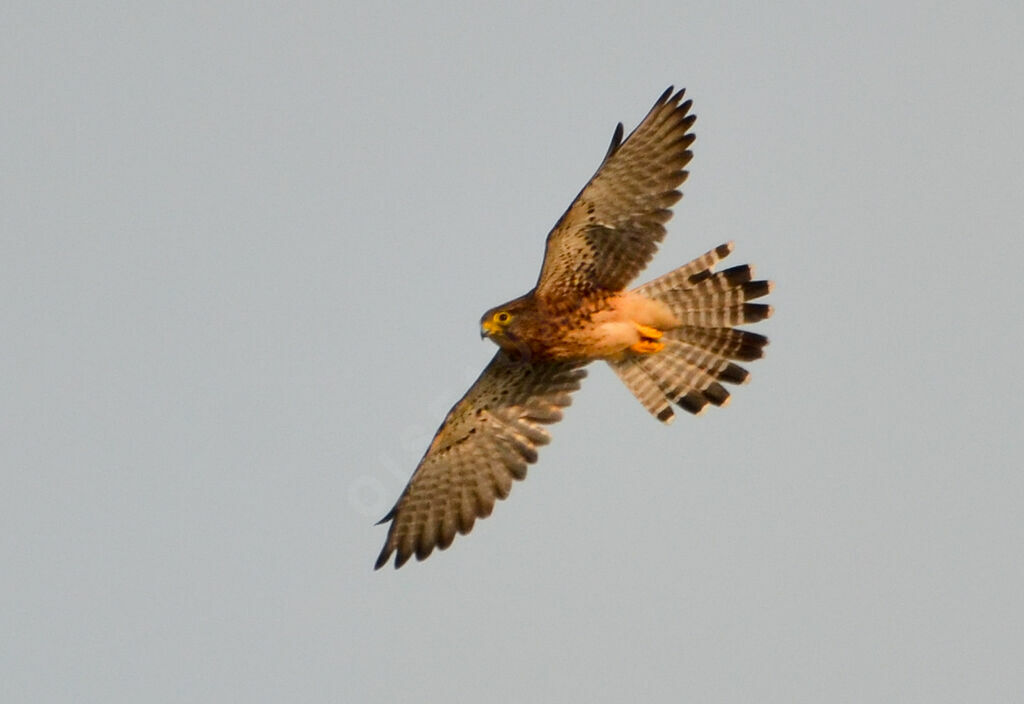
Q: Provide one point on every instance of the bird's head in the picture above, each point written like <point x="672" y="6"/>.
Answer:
<point x="503" y="324"/>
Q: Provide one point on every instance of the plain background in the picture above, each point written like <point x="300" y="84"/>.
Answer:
<point x="245" y="248"/>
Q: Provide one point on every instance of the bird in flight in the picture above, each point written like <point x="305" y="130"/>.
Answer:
<point x="671" y="341"/>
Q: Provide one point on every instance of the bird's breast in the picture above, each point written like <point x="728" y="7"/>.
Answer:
<point x="604" y="331"/>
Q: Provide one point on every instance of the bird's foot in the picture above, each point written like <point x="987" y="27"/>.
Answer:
<point x="648" y="333"/>
<point x="647" y="346"/>
<point x="648" y="343"/>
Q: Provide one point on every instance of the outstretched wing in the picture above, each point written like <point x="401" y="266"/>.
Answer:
<point x="612" y="229"/>
<point x="484" y="443"/>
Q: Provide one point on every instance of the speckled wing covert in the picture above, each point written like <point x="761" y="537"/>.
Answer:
<point x="485" y="442"/>
<point x="612" y="229"/>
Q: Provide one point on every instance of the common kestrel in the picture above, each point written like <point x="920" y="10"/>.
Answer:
<point x="671" y="340"/>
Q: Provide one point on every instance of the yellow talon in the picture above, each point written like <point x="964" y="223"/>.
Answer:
<point x="648" y="333"/>
<point x="647" y="346"/>
<point x="648" y="343"/>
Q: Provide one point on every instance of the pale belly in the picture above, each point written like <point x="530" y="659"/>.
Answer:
<point x="617" y="328"/>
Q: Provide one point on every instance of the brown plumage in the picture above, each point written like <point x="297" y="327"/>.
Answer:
<point x="671" y="341"/>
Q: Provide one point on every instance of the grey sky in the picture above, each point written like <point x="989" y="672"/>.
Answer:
<point x="243" y="252"/>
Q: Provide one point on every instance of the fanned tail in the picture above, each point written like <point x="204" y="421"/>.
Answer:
<point x="697" y="356"/>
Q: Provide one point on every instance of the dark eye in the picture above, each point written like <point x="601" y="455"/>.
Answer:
<point x="502" y="317"/>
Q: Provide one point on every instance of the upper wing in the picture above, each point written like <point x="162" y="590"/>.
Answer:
<point x="610" y="232"/>
<point x="484" y="443"/>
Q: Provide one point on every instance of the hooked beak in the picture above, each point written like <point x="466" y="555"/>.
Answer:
<point x="487" y="328"/>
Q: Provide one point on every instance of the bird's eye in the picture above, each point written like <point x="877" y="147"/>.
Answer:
<point x="502" y="317"/>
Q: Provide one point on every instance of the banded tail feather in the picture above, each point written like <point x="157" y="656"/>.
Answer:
<point x="697" y="358"/>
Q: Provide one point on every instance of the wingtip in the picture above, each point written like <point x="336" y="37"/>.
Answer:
<point x="674" y="97"/>
<point x="616" y="141"/>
